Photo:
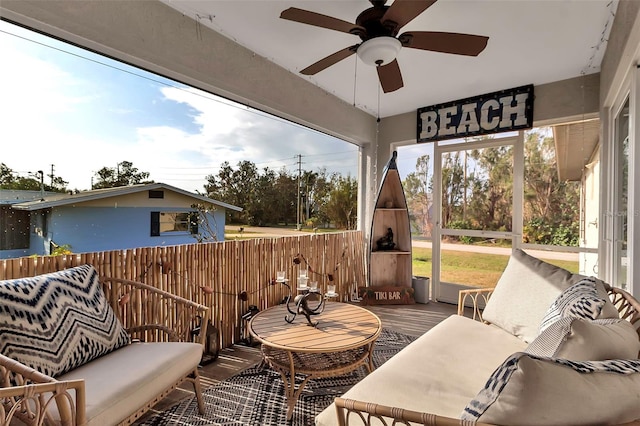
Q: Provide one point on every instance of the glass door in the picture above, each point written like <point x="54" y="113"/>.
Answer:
<point x="619" y="213"/>
<point x="474" y="201"/>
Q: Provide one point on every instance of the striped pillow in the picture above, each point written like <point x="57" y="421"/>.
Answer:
<point x="581" y="300"/>
<point x="57" y="322"/>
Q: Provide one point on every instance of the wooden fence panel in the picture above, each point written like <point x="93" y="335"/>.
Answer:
<point x="226" y="269"/>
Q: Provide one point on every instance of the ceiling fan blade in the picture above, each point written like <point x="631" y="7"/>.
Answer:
<point x="458" y="44"/>
<point x="401" y="12"/>
<point x="329" y="60"/>
<point x="319" y="20"/>
<point x="390" y="76"/>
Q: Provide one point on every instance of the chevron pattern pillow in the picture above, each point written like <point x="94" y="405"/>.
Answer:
<point x="59" y="321"/>
<point x="581" y="300"/>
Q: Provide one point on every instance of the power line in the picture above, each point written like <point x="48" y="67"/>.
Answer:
<point x="184" y="88"/>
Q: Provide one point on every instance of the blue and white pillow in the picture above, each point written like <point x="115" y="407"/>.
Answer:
<point x="59" y="321"/>
<point x="533" y="390"/>
<point x="581" y="300"/>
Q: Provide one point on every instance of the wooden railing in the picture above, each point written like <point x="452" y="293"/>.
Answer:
<point x="219" y="274"/>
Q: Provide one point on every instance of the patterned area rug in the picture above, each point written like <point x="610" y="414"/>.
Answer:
<point x="255" y="397"/>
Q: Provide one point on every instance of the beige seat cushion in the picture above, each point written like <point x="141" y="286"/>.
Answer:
<point x="435" y="373"/>
<point x="118" y="384"/>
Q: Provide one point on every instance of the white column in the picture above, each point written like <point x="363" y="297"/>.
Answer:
<point x="366" y="192"/>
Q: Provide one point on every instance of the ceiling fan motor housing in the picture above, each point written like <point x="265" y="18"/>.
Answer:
<point x="371" y="20"/>
<point x="379" y="51"/>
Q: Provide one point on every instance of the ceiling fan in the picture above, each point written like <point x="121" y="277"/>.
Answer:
<point x="378" y="28"/>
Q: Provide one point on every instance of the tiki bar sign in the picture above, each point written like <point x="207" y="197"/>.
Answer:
<point x="502" y="111"/>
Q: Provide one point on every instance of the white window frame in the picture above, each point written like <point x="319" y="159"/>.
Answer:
<point x="630" y="89"/>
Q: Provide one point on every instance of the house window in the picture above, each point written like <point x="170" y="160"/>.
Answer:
<point x="173" y="223"/>
<point x="14" y="229"/>
<point x="155" y="193"/>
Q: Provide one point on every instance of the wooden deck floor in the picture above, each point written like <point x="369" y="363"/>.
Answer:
<point x="413" y="320"/>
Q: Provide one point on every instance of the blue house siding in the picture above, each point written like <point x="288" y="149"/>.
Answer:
<point x="88" y="229"/>
<point x="106" y="219"/>
<point x="12" y="254"/>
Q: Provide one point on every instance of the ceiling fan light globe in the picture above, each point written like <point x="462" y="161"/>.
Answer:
<point x="379" y="50"/>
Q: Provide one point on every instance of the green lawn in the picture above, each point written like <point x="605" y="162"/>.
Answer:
<point x="476" y="269"/>
<point x="234" y="234"/>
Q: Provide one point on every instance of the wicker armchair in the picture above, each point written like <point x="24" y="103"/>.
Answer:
<point x="148" y="314"/>
<point x="26" y="394"/>
<point x="153" y="315"/>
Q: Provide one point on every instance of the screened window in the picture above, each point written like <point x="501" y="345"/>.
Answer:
<point x="14" y="229"/>
<point x="164" y="223"/>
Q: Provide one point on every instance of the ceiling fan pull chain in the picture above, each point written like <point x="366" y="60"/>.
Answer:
<point x="378" y="86"/>
<point x="355" y="80"/>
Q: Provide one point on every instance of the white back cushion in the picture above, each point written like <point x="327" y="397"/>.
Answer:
<point x="523" y="294"/>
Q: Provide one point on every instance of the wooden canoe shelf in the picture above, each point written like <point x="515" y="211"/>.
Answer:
<point x="390" y="265"/>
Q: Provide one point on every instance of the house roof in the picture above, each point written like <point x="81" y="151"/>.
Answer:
<point x="575" y="145"/>
<point x="14" y="196"/>
<point x="63" y="199"/>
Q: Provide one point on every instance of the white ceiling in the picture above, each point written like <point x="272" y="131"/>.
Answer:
<point x="530" y="42"/>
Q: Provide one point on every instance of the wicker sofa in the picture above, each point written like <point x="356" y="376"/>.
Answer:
<point x="78" y="349"/>
<point x="549" y="348"/>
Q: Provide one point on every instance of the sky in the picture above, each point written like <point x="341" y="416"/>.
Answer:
<point x="80" y="112"/>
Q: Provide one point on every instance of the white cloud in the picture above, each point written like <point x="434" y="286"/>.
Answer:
<point x="233" y="133"/>
<point x="48" y="115"/>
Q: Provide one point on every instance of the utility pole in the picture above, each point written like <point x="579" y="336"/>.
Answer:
<point x="298" y="227"/>
<point x="51" y="175"/>
<point x="41" y="174"/>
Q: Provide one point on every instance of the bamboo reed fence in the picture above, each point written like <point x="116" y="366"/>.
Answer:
<point x="218" y="275"/>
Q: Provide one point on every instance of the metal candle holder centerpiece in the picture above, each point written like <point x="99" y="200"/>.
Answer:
<point x="301" y="301"/>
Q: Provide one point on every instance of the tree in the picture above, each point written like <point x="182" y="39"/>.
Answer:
<point x="236" y="187"/>
<point x="452" y="188"/>
<point x="6" y="176"/>
<point x="417" y="191"/>
<point x="341" y="208"/>
<point x="10" y="180"/>
<point x="124" y="174"/>
<point x="204" y="220"/>
<point x="58" y="184"/>
<point x="270" y="197"/>
<point x="551" y="208"/>
<point x="264" y="208"/>
<point x="490" y="205"/>
<point x="286" y="201"/>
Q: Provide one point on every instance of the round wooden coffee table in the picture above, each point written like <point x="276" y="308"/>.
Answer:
<point x="342" y="341"/>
